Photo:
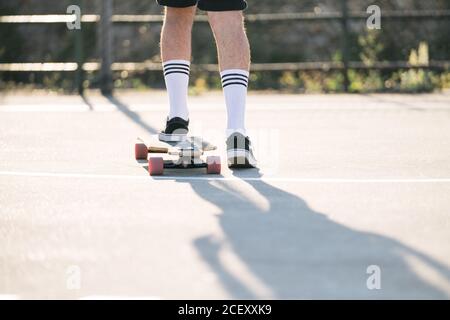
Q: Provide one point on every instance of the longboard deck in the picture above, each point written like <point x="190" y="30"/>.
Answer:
<point x="186" y="154"/>
<point x="157" y="146"/>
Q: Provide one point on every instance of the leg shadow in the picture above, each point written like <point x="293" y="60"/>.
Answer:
<point x="296" y="252"/>
<point x="87" y="102"/>
<point x="135" y="117"/>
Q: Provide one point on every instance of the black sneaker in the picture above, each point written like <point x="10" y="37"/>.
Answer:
<point x="239" y="152"/>
<point x="176" y="130"/>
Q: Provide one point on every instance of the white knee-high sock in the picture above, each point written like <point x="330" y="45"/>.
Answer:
<point x="235" y="83"/>
<point x="176" y="75"/>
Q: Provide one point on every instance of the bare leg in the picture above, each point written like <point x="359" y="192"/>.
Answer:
<point x="176" y="56"/>
<point x="234" y="60"/>
<point x="232" y="43"/>
<point x="176" y="34"/>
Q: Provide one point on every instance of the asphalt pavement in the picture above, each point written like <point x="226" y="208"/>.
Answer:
<point x="351" y="200"/>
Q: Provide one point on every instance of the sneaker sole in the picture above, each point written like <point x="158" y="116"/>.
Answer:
<point x="240" y="159"/>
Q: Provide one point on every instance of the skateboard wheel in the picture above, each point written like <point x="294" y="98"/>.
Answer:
<point x="213" y="165"/>
<point x="155" y="166"/>
<point x="140" y="151"/>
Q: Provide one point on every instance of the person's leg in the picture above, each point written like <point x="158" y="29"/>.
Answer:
<point x="234" y="60"/>
<point x="176" y="56"/>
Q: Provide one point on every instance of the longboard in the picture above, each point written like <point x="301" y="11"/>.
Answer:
<point x="185" y="154"/>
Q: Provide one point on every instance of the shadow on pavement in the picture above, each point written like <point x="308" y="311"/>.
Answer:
<point x="135" y="117"/>
<point x="296" y="252"/>
<point x="87" y="102"/>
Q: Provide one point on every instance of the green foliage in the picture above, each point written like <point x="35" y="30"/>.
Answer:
<point x="200" y="86"/>
<point x="413" y="81"/>
<point x="289" y="81"/>
<point x="334" y="82"/>
<point x="416" y="80"/>
<point x="371" y="47"/>
<point x="444" y="80"/>
<point x="365" y="82"/>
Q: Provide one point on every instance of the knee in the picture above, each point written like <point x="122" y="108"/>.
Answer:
<point x="227" y="22"/>
<point x="180" y="17"/>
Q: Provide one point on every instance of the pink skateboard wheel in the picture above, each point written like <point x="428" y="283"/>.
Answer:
<point x="155" y="166"/>
<point x="213" y="165"/>
<point x="140" y="151"/>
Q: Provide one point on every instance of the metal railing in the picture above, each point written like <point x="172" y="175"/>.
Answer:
<point x="107" y="66"/>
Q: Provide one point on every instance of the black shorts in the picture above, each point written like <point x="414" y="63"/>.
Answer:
<point x="206" y="5"/>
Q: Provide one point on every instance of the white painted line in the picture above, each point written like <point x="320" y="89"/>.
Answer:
<point x="70" y="175"/>
<point x="48" y="108"/>
<point x="221" y="178"/>
<point x="203" y="106"/>
<point x="9" y="297"/>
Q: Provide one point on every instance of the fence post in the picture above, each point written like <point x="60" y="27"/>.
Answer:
<point x="79" y="55"/>
<point x="345" y="43"/>
<point x="106" y="41"/>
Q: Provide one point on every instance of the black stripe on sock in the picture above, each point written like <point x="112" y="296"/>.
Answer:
<point x="176" y="65"/>
<point x="176" y="68"/>
<point x="233" y="79"/>
<point x="170" y="72"/>
<point x="234" y="75"/>
<point x="231" y="83"/>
